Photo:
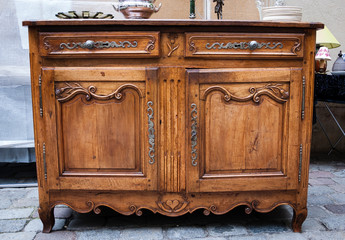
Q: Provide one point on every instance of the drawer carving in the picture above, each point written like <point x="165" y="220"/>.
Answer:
<point x="274" y="91"/>
<point x="115" y="44"/>
<point x="172" y="48"/>
<point x="227" y="45"/>
<point x="68" y="92"/>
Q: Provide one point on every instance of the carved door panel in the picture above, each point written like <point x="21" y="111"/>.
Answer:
<point x="244" y="129"/>
<point x="100" y="123"/>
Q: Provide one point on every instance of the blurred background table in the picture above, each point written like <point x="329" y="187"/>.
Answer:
<point x="330" y="89"/>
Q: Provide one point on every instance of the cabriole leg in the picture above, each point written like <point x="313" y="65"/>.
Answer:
<point x="298" y="218"/>
<point x="47" y="217"/>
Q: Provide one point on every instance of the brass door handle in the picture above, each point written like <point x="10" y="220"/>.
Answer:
<point x="151" y="132"/>
<point x="194" y="134"/>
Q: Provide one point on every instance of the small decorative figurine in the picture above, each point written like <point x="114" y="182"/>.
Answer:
<point x="219" y="8"/>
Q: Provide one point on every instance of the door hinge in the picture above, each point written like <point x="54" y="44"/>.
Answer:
<point x="44" y="161"/>
<point x="40" y="94"/>
<point x="300" y="162"/>
<point x="303" y="98"/>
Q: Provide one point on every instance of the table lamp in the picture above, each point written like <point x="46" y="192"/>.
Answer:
<point x="323" y="56"/>
<point x="324" y="38"/>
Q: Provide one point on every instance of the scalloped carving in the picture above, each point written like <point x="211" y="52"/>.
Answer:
<point x="274" y="91"/>
<point x="71" y="90"/>
<point x="212" y="209"/>
<point x="136" y="210"/>
<point x="173" y="206"/>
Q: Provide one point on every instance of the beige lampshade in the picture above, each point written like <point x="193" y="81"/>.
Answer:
<point x="323" y="54"/>
<point x="325" y="38"/>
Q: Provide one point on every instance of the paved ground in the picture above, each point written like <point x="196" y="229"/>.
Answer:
<point x="19" y="219"/>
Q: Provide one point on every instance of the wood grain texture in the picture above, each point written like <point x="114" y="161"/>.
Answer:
<point x="170" y="133"/>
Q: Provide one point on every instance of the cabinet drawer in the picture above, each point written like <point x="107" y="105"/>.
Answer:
<point x="100" y="44"/>
<point x="253" y="45"/>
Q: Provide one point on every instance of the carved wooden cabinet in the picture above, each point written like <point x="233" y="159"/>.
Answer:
<point x="172" y="116"/>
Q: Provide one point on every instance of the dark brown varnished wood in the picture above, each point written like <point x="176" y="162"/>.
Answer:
<point x="167" y="130"/>
<point x="173" y="22"/>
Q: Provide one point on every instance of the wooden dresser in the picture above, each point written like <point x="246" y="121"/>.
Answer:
<point x="172" y="116"/>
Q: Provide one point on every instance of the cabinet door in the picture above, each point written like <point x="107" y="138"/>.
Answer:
<point x="244" y="129"/>
<point x="99" y="128"/>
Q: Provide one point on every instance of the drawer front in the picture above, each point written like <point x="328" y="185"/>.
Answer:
<point x="100" y="44"/>
<point x="256" y="45"/>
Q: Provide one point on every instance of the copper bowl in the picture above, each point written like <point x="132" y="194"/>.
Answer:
<point x="138" y="9"/>
<point x="137" y="12"/>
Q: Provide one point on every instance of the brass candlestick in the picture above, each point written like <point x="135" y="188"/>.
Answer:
<point x="192" y="9"/>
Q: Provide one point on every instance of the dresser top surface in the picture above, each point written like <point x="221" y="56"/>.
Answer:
<point x="172" y="22"/>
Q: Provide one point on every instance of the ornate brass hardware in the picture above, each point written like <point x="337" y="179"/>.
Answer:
<point x="151" y="132"/>
<point x="194" y="137"/>
<point x="300" y="162"/>
<point x="253" y="45"/>
<point x="244" y="45"/>
<point x="44" y="161"/>
<point x="303" y="98"/>
<point x="40" y="94"/>
<point x="90" y="44"/>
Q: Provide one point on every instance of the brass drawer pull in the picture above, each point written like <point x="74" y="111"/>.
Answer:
<point x="252" y="45"/>
<point x="89" y="44"/>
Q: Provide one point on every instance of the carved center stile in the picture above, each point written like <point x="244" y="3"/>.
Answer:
<point x="171" y="45"/>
